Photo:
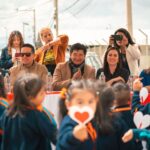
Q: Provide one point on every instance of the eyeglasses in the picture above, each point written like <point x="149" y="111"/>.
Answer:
<point x="25" y="54"/>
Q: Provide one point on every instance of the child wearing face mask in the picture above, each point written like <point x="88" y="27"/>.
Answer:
<point x="74" y="136"/>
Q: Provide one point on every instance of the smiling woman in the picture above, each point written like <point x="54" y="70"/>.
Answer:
<point x="112" y="67"/>
<point x="129" y="51"/>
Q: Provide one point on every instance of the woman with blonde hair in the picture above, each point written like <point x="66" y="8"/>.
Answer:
<point x="53" y="50"/>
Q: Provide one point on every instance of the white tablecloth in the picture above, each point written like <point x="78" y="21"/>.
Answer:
<point x="51" y="103"/>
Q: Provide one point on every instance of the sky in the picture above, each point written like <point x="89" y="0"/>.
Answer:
<point x="85" y="21"/>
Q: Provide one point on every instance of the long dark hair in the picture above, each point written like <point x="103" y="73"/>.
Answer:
<point x="127" y="34"/>
<point x="106" y="65"/>
<point x="122" y="93"/>
<point x="105" y="115"/>
<point x="2" y="86"/>
<point x="24" y="87"/>
<point x="69" y="93"/>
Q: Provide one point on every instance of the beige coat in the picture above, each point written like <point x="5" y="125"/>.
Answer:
<point x="62" y="75"/>
<point x="20" y="70"/>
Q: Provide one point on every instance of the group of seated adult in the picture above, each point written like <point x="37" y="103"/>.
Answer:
<point x="120" y="59"/>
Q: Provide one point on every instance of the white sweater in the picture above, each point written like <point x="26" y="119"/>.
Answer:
<point x="133" y="55"/>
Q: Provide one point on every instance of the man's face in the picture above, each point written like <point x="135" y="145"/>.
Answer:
<point x="27" y="56"/>
<point x="77" y="57"/>
<point x="46" y="36"/>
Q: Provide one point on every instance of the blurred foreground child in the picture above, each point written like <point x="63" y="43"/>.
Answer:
<point x="26" y="125"/>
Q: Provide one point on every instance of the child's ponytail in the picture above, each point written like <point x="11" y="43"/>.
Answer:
<point x="62" y="106"/>
<point x="25" y="87"/>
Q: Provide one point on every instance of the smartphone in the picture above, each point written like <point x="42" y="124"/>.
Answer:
<point x="117" y="37"/>
<point x="17" y="54"/>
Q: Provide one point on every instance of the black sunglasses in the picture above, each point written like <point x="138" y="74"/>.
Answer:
<point x="25" y="54"/>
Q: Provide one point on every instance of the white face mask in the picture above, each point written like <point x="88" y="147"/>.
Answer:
<point x="81" y="115"/>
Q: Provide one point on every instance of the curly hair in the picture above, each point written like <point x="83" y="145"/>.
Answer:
<point x="11" y="39"/>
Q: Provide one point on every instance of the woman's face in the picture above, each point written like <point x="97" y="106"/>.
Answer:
<point x="47" y="36"/>
<point x="16" y="42"/>
<point x="124" y="40"/>
<point x="112" y="57"/>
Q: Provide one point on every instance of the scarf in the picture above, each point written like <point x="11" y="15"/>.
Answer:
<point x="74" y="68"/>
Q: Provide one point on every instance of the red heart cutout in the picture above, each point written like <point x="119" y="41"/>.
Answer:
<point x="147" y="100"/>
<point x="81" y="116"/>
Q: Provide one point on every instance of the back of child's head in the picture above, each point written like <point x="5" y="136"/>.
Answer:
<point x="106" y="100"/>
<point x="122" y="93"/>
<point x="25" y="88"/>
<point x="2" y="86"/>
<point x="74" y="88"/>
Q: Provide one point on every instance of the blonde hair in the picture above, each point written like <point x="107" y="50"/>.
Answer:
<point x="45" y="29"/>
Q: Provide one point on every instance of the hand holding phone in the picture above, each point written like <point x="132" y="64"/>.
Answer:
<point x="17" y="54"/>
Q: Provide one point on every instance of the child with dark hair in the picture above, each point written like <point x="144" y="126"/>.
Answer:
<point x="145" y="75"/>
<point x="26" y="124"/>
<point x="136" y="104"/>
<point x="122" y="103"/>
<point x="3" y="100"/>
<point x="74" y="136"/>
<point x="122" y="106"/>
<point x="111" y="127"/>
